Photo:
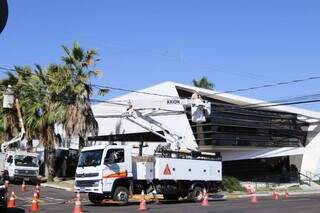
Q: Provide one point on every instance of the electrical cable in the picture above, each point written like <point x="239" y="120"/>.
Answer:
<point x="252" y="106"/>
<point x="224" y="92"/>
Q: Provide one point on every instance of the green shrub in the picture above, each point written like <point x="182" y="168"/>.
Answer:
<point x="231" y="184"/>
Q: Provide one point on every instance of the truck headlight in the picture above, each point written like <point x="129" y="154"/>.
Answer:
<point x="96" y="184"/>
<point x="16" y="171"/>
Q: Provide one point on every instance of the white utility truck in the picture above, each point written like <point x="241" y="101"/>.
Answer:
<point x="20" y="166"/>
<point x="15" y="163"/>
<point x="111" y="171"/>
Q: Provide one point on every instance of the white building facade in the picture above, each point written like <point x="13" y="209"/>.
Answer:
<point x="239" y="128"/>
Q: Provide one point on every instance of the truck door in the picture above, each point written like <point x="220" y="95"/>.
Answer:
<point x="9" y="165"/>
<point x="114" y="167"/>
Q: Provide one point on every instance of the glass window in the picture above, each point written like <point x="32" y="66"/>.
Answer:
<point x="114" y="156"/>
<point x="22" y="160"/>
<point x="90" y="158"/>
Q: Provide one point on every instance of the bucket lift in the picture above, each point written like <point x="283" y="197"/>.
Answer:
<point x="143" y="117"/>
<point x="8" y="102"/>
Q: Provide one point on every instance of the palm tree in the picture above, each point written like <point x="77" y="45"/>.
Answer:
<point x="77" y="71"/>
<point x="203" y="83"/>
<point x="9" y="120"/>
<point x="41" y="114"/>
<point x="206" y="84"/>
<point x="59" y="94"/>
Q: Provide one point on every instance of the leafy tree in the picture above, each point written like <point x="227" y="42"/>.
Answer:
<point x="41" y="114"/>
<point x="203" y="83"/>
<point x="57" y="95"/>
<point x="9" y="121"/>
<point x="79" y="67"/>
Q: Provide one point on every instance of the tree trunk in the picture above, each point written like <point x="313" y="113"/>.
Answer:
<point x="49" y="163"/>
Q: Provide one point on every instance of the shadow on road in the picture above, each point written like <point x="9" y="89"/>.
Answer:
<point x="16" y="210"/>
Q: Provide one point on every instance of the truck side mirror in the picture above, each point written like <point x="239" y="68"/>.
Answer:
<point x="10" y="160"/>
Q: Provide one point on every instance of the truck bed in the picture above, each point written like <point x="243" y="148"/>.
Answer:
<point x="163" y="168"/>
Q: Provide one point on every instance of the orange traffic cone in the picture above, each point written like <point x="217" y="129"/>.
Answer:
<point x="205" y="198"/>
<point x="143" y="203"/>
<point x="12" y="201"/>
<point x="286" y="194"/>
<point x="274" y="194"/>
<point x="23" y="187"/>
<point x="254" y="198"/>
<point x="77" y="207"/>
<point x="38" y="193"/>
<point x="34" y="203"/>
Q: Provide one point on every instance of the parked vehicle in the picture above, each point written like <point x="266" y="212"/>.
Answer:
<point x="111" y="172"/>
<point x="20" y="166"/>
<point x="3" y="197"/>
<point x="175" y="169"/>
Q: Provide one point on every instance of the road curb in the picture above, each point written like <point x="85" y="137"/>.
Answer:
<point x="269" y="194"/>
<point x="69" y="189"/>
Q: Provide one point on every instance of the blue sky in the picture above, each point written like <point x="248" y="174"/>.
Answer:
<point x="235" y="43"/>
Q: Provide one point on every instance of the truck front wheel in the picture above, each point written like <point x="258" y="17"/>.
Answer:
<point x="196" y="195"/>
<point x="121" y="194"/>
<point x="95" y="198"/>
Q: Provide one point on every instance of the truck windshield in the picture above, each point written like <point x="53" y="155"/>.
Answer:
<point x="22" y="160"/>
<point x="90" y="158"/>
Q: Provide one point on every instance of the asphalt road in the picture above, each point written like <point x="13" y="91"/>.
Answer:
<point x="55" y="200"/>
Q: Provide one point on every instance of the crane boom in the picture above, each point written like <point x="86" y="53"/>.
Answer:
<point x="142" y="115"/>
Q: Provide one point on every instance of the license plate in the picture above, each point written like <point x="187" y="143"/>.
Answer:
<point x="82" y="189"/>
<point x="26" y="179"/>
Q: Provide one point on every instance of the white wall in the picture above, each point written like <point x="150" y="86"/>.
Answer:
<point x="311" y="158"/>
<point x="177" y="123"/>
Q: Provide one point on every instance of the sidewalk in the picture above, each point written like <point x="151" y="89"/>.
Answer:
<point x="67" y="185"/>
<point x="237" y="195"/>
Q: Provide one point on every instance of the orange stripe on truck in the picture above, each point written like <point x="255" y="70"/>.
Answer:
<point x="117" y="175"/>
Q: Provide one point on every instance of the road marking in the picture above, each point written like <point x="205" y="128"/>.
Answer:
<point x="52" y="198"/>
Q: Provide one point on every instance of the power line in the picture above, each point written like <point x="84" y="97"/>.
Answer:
<point x="225" y="92"/>
<point x="133" y="91"/>
<point x="270" y="85"/>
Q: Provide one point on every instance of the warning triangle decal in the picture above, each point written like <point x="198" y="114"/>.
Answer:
<point x="167" y="170"/>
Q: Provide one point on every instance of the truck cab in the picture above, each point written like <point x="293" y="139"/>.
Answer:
<point x="102" y="170"/>
<point x="21" y="166"/>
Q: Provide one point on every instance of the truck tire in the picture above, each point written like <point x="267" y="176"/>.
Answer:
<point x="171" y="196"/>
<point x="95" y="198"/>
<point x="196" y="195"/>
<point x="121" y="194"/>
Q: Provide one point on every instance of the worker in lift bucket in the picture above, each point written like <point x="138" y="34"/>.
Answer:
<point x="196" y="98"/>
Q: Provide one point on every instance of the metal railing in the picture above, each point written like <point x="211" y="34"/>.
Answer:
<point x="311" y="177"/>
<point x="277" y="179"/>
